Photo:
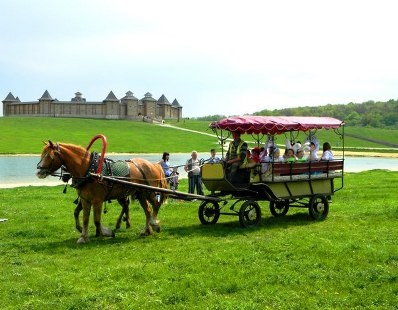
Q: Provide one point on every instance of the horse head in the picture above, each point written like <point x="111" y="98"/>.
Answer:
<point x="49" y="160"/>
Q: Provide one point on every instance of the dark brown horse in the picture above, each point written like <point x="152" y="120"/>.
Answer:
<point x="94" y="191"/>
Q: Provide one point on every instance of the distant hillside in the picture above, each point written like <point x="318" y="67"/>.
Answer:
<point x="366" y="114"/>
<point x="370" y="113"/>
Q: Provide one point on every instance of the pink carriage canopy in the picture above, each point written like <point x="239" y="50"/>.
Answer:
<point x="275" y="124"/>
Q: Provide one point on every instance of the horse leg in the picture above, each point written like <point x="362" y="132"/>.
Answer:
<point x="148" y="215"/>
<point x="76" y="213"/>
<point x="86" y="217"/>
<point x="154" y="222"/>
<point x="100" y="230"/>
<point x="124" y="202"/>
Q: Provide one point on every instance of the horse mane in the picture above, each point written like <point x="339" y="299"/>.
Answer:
<point x="74" y="148"/>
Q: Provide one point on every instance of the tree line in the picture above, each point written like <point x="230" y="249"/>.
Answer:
<point x="367" y="114"/>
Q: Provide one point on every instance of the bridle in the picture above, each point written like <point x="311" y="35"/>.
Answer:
<point x="50" y="169"/>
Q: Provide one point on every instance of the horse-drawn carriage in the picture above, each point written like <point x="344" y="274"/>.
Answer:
<point x="283" y="185"/>
<point x="308" y="184"/>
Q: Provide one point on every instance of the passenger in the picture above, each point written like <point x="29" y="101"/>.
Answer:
<point x="276" y="157"/>
<point x="327" y="152"/>
<point x="166" y="165"/>
<point x="192" y="166"/>
<point x="255" y="155"/>
<point x="313" y="152"/>
<point x="174" y="181"/>
<point x="300" y="155"/>
<point x="265" y="159"/>
<point x="235" y="157"/>
<point x="213" y="158"/>
<point x="295" y="146"/>
<point x="289" y="156"/>
<point x="312" y="139"/>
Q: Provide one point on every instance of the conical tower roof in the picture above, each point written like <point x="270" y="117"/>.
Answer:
<point x="46" y="96"/>
<point x="10" y="97"/>
<point x="176" y="104"/>
<point x="111" y="97"/>
<point x="163" y="100"/>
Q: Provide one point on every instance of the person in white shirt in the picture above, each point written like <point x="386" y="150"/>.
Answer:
<point x="192" y="166"/>
<point x="313" y="152"/>
<point x="327" y="152"/>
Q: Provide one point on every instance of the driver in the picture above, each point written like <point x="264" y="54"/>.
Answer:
<point x="235" y="157"/>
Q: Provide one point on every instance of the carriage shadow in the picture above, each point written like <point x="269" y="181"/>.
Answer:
<point x="228" y="226"/>
<point x="232" y="227"/>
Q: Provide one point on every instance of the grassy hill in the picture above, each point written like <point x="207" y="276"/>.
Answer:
<point x="24" y="135"/>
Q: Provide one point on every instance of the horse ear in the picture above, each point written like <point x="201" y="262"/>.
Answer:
<point x="51" y="144"/>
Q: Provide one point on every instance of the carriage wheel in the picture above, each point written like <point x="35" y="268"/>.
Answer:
<point x="279" y="208"/>
<point x="209" y="212"/>
<point x="319" y="207"/>
<point x="249" y="214"/>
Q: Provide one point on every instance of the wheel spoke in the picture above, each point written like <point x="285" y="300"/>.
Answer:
<point x="249" y="214"/>
<point x="208" y="212"/>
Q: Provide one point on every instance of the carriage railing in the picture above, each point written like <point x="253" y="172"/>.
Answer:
<point x="294" y="171"/>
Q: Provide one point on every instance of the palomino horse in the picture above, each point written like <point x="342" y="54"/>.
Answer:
<point x="79" y="162"/>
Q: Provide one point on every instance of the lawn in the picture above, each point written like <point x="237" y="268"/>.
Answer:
<point x="348" y="261"/>
<point x="25" y="135"/>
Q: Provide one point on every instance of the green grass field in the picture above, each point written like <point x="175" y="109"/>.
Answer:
<point x="348" y="261"/>
<point x="26" y="135"/>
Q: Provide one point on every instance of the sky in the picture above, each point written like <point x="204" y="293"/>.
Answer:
<point x="213" y="56"/>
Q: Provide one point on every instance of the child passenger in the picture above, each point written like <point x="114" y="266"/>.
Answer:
<point x="327" y="152"/>
<point x="300" y="155"/>
<point x="289" y="156"/>
<point x="313" y="152"/>
<point x="276" y="157"/>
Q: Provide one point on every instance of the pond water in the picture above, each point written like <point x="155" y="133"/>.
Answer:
<point x="20" y="170"/>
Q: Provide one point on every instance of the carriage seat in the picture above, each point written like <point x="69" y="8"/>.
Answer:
<point x="296" y="171"/>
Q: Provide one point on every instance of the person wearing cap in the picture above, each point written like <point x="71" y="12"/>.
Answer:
<point x="235" y="157"/>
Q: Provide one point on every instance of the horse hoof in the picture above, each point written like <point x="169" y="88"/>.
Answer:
<point x="156" y="228"/>
<point x="145" y="233"/>
<point x="82" y="240"/>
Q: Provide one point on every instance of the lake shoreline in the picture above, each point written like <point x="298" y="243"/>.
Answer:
<point x="336" y="153"/>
